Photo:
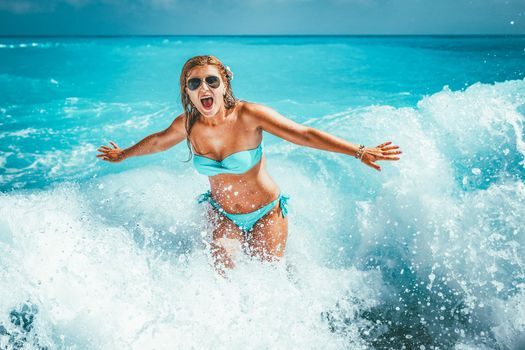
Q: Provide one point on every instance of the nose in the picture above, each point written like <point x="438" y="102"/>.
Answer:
<point x="204" y="86"/>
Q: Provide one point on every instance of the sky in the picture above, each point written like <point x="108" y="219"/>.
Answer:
<point x="261" y="17"/>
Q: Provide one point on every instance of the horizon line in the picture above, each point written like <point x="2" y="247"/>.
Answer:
<point x="249" y="35"/>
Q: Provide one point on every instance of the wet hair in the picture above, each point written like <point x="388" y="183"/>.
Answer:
<point x="190" y="111"/>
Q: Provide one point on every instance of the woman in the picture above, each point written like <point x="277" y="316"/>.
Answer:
<point x="224" y="136"/>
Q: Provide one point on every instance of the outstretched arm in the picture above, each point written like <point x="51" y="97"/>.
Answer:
<point x="153" y="143"/>
<point x="271" y="121"/>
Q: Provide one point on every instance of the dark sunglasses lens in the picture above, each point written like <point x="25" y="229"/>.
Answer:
<point x="194" y="83"/>
<point x="213" y="81"/>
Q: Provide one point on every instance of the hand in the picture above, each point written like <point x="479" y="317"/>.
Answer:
<point x="381" y="152"/>
<point x="109" y="154"/>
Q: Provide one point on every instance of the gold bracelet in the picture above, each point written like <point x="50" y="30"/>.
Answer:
<point x="360" y="151"/>
<point x="363" y="153"/>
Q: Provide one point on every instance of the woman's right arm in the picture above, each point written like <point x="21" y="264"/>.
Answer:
<point x="153" y="143"/>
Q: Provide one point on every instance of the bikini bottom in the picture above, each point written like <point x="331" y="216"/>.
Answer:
<point x="246" y="221"/>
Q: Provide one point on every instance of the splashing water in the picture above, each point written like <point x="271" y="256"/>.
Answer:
<point x="427" y="254"/>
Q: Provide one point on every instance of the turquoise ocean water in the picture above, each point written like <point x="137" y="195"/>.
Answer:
<point x="426" y="254"/>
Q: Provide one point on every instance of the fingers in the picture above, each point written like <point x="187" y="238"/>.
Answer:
<point x="391" y="153"/>
<point x="381" y="152"/>
<point x="108" y="153"/>
<point x="373" y="165"/>
<point x="104" y="153"/>
<point x="384" y="144"/>
<point x="386" y="157"/>
<point x="103" y="157"/>
<point x="377" y="154"/>
<point x="106" y="156"/>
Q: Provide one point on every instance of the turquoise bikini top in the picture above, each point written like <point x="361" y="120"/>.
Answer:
<point x="235" y="163"/>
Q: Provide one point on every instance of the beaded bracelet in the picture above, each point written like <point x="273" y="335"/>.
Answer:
<point x="360" y="152"/>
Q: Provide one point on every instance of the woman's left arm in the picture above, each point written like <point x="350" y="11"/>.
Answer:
<point x="273" y="122"/>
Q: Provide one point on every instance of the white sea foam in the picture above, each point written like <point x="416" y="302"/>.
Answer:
<point x="421" y="218"/>
<point x="97" y="284"/>
<point x="137" y="122"/>
<point x="442" y="228"/>
<point x="24" y="133"/>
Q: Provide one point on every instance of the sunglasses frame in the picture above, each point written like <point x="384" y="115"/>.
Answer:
<point x="205" y="79"/>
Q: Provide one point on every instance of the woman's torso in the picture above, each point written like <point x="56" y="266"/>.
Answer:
<point x="236" y="193"/>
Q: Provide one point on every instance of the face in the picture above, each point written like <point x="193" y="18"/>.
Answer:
<point x="207" y="100"/>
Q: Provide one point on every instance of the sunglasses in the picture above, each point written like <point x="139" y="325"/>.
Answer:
<point x="211" y="80"/>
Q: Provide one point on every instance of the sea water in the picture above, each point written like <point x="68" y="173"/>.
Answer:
<point x="429" y="253"/>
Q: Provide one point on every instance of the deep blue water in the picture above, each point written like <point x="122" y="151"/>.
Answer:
<point x="426" y="254"/>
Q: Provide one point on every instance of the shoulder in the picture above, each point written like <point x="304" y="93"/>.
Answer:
<point x="181" y="118"/>
<point x="251" y="107"/>
<point x="179" y="124"/>
<point x="267" y="119"/>
<point x="253" y="111"/>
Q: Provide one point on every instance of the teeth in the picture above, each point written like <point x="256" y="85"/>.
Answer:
<point x="207" y="100"/>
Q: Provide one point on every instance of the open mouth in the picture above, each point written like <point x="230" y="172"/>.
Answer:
<point x="207" y="102"/>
